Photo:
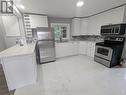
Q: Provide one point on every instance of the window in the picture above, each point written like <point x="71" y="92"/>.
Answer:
<point x="61" y="31"/>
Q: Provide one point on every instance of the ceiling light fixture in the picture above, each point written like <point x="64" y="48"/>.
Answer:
<point x="80" y="3"/>
<point x="21" y="7"/>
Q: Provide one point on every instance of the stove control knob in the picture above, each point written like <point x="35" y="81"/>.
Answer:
<point x="121" y="39"/>
<point x="117" y="39"/>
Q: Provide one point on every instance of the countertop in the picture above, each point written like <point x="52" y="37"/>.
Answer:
<point x="77" y="41"/>
<point x="66" y="42"/>
<point x="18" y="50"/>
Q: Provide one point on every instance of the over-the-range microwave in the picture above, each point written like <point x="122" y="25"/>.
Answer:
<point x="116" y="29"/>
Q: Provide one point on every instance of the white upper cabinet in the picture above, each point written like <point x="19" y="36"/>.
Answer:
<point x="92" y="25"/>
<point x="38" y="21"/>
<point x="33" y="21"/>
<point x="114" y="16"/>
<point x="84" y="25"/>
<point x="11" y="25"/>
<point x="76" y="27"/>
<point x="79" y="26"/>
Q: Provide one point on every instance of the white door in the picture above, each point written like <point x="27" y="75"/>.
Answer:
<point x="11" y="25"/>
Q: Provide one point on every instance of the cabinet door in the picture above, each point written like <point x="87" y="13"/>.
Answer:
<point x="92" y="49"/>
<point x="38" y="21"/>
<point x="87" y="48"/>
<point x="66" y="49"/>
<point x="76" y="25"/>
<point x="88" y="53"/>
<point x="83" y="47"/>
<point x="94" y="26"/>
<point x="59" y="51"/>
<point x="74" y="48"/>
<point x="84" y="25"/>
<point x="114" y="16"/>
<point x="62" y="50"/>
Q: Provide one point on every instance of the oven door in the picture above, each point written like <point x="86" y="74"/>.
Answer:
<point x="103" y="52"/>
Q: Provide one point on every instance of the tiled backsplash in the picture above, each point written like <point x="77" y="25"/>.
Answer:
<point x="88" y="38"/>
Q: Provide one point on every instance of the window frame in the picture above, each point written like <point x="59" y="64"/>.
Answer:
<point x="63" y="25"/>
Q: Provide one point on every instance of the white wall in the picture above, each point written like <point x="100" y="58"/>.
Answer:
<point x="2" y="36"/>
<point x="60" y="20"/>
<point x="11" y="25"/>
<point x="124" y="18"/>
<point x="10" y="41"/>
<point x="5" y="42"/>
<point x="13" y="29"/>
<point x="10" y="30"/>
<point x="124" y="50"/>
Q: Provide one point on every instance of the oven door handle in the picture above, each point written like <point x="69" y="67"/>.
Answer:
<point x="106" y="53"/>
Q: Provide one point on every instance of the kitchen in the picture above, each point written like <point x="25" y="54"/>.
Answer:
<point x="70" y="50"/>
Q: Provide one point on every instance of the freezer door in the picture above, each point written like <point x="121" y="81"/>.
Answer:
<point x="41" y="35"/>
<point x="46" y="51"/>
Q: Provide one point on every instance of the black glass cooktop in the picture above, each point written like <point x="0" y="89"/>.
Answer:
<point x="111" y="45"/>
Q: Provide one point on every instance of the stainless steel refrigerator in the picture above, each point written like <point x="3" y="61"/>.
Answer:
<point x="45" y="47"/>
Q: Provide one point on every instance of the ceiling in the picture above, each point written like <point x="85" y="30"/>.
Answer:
<point x="67" y="8"/>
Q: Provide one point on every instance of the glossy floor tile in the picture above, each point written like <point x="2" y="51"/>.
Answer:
<point x="77" y="75"/>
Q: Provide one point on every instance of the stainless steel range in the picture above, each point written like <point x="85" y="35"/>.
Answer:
<point x="109" y="52"/>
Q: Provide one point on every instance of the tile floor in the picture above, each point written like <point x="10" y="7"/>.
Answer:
<point x="77" y="75"/>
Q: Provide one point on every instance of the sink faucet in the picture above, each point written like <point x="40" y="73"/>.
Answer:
<point x="19" y="41"/>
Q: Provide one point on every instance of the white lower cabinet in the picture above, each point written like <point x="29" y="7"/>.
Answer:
<point x="66" y="49"/>
<point x="82" y="47"/>
<point x="92" y="49"/>
<point x="20" y="70"/>
<point x="75" y="48"/>
<point x="87" y="48"/>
